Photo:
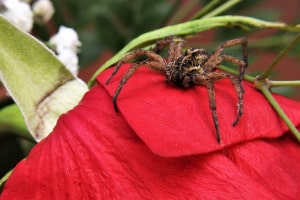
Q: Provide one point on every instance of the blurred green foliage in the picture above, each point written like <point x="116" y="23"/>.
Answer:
<point x="110" y="24"/>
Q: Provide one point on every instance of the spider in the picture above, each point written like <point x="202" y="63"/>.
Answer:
<point x="194" y="66"/>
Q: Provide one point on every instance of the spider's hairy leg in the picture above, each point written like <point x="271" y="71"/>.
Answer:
<point x="176" y="49"/>
<point x="161" y="44"/>
<point x="241" y="63"/>
<point x="242" y="41"/>
<point x="132" y="69"/>
<point x="130" y="56"/>
<point x="124" y="79"/>
<point x="240" y="94"/>
<point x="238" y="89"/>
<point x="245" y="58"/>
<point x="208" y="82"/>
<point x="213" y="107"/>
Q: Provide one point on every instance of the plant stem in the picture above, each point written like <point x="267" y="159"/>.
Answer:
<point x="283" y="83"/>
<point x="235" y="72"/>
<point x="181" y="13"/>
<point x="264" y="88"/>
<point x="266" y="73"/>
<point x="222" y="8"/>
<point x="4" y="178"/>
<point x="277" y="41"/>
<point x="206" y="9"/>
<point x="190" y="28"/>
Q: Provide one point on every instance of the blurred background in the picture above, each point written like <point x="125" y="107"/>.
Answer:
<point x="105" y="26"/>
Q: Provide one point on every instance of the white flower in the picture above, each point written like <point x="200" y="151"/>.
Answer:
<point x="66" y="42"/>
<point x="43" y="10"/>
<point x="19" y="13"/>
<point x="66" y="38"/>
<point x="70" y="60"/>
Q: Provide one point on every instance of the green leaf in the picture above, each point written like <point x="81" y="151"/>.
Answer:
<point x="193" y="27"/>
<point x="11" y="120"/>
<point x="39" y="83"/>
<point x="4" y="179"/>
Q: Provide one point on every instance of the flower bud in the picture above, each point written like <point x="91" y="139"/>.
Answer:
<point x="66" y="43"/>
<point x="43" y="10"/>
<point x="66" y="38"/>
<point x="19" y="13"/>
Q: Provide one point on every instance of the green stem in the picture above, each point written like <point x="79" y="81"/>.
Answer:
<point x="235" y="72"/>
<point x="190" y="28"/>
<point x="181" y="13"/>
<point x="277" y="41"/>
<point x="225" y="6"/>
<point x="4" y="178"/>
<point x="266" y="73"/>
<point x="263" y="87"/>
<point x="283" y="83"/>
<point x="207" y="8"/>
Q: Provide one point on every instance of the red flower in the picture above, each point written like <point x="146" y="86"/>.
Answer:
<point x="162" y="145"/>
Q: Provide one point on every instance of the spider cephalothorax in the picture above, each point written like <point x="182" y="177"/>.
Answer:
<point x="195" y="66"/>
<point x="183" y="69"/>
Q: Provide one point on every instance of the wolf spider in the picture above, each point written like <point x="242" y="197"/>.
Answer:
<point x="195" y="66"/>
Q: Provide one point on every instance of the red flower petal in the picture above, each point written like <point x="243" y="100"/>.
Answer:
<point x="93" y="154"/>
<point x="174" y="122"/>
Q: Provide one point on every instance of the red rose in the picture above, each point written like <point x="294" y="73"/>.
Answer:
<point x="162" y="145"/>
